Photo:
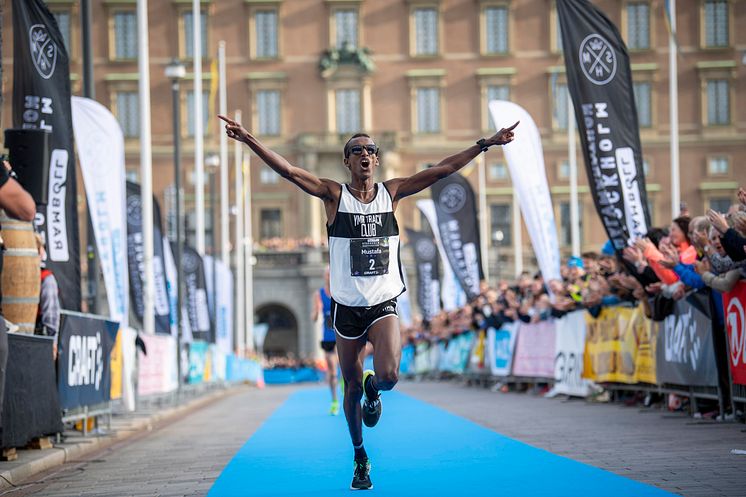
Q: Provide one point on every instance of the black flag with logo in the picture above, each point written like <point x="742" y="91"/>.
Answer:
<point x="41" y="100"/>
<point x="136" y="258"/>
<point x="427" y="262"/>
<point x="600" y="84"/>
<point x="456" y="209"/>
<point x="195" y="285"/>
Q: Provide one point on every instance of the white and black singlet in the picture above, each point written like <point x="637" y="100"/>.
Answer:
<point x="364" y="261"/>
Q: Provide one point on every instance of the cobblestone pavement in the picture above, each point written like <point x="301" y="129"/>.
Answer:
<point x="180" y="458"/>
<point x="671" y="451"/>
<point x="185" y="456"/>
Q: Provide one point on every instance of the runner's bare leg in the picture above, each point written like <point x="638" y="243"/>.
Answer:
<point x="351" y="354"/>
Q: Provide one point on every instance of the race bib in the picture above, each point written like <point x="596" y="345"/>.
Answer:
<point x="369" y="256"/>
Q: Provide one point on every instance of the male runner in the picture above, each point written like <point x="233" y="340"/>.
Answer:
<point x="365" y="277"/>
<point x="322" y="304"/>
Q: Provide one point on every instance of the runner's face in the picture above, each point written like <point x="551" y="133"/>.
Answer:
<point x="361" y="166"/>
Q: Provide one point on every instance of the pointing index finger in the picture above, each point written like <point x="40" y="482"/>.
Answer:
<point x="227" y="119"/>
<point x="513" y="127"/>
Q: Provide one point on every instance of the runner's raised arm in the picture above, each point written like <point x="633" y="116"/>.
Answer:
<point x="306" y="181"/>
<point x="404" y="187"/>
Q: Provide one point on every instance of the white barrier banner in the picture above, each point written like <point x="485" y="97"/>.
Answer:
<point x="100" y="145"/>
<point x="535" y="350"/>
<point x="156" y="371"/>
<point x="525" y="159"/>
<point x="422" y="358"/>
<point x="568" y="360"/>
<point x="224" y="308"/>
<point x="501" y="345"/>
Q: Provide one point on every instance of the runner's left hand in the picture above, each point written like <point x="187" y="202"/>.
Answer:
<point x="504" y="136"/>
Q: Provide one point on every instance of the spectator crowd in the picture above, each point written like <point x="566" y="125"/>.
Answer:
<point x="691" y="253"/>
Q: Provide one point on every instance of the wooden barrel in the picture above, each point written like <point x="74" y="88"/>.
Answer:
<point x="21" y="283"/>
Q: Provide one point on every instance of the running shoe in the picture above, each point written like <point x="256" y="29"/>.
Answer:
<point x="371" y="406"/>
<point x="361" y="476"/>
<point x="334" y="409"/>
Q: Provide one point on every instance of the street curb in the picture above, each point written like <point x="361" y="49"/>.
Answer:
<point x="58" y="455"/>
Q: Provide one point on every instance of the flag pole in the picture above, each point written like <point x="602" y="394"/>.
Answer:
<point x="224" y="195"/>
<point x="484" y="231"/>
<point x="573" y="163"/>
<point x="239" y="247"/>
<point x="673" y="92"/>
<point x="199" y="155"/>
<point x="146" y="167"/>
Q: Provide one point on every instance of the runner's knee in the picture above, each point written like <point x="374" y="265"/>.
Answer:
<point x="387" y="379"/>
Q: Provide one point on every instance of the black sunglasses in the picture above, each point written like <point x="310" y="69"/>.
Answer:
<point x="358" y="149"/>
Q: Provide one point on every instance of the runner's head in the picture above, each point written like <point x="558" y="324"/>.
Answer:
<point x="361" y="155"/>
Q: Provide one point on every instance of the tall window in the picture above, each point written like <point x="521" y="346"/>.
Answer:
<point x="716" y="23"/>
<point x="496" y="27"/>
<point x="267" y="176"/>
<point x="347" y="104"/>
<point x="720" y="204"/>
<point x="566" y="226"/>
<point x="125" y="35"/>
<point x="188" y="24"/>
<point x="559" y="100"/>
<point x="498" y="171"/>
<point x="128" y="113"/>
<point x="718" y="102"/>
<point x="428" y="110"/>
<point x="345" y="26"/>
<point x="717" y="166"/>
<point x="268" y="112"/>
<point x="270" y="223"/>
<point x="563" y="171"/>
<point x="498" y="92"/>
<point x="190" y="112"/>
<point x="501" y="219"/>
<point x="266" y="34"/>
<point x="638" y="25"/>
<point x="63" y="22"/>
<point x="426" y="31"/>
<point x="642" y="92"/>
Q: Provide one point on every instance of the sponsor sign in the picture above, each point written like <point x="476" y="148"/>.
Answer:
<point x="685" y="354"/>
<point x="84" y="359"/>
<point x="734" y="304"/>
<point x="501" y="343"/>
<point x="568" y="360"/>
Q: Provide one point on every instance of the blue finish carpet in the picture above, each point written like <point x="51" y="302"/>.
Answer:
<point x="416" y="449"/>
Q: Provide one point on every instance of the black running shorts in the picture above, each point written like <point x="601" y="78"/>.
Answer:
<point x="328" y="345"/>
<point x="354" y="322"/>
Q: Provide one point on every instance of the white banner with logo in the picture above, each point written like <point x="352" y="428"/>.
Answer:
<point x="568" y="360"/>
<point x="452" y="295"/>
<point x="224" y="318"/>
<point x="525" y="158"/>
<point x="500" y="348"/>
<point x="100" y="144"/>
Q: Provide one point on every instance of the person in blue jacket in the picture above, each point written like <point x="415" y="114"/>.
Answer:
<point x="323" y="306"/>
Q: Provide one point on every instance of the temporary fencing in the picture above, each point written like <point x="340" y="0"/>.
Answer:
<point x="101" y="371"/>
<point x="620" y="349"/>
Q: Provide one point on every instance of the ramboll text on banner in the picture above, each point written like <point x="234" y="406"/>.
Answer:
<point x="41" y="100"/>
<point x="600" y="84"/>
